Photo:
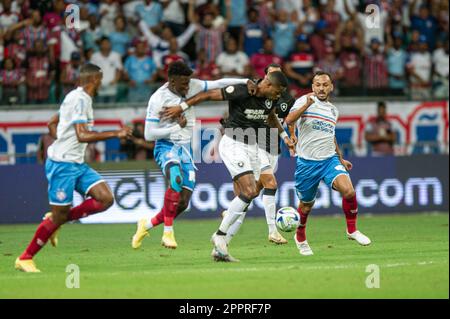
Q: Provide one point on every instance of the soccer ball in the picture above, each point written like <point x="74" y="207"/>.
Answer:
<point x="287" y="219"/>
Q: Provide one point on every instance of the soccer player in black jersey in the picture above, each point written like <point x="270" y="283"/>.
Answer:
<point x="269" y="152"/>
<point x="249" y="118"/>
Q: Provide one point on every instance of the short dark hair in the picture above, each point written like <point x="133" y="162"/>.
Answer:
<point x="104" y="38"/>
<point x="179" y="68"/>
<point x="89" y="69"/>
<point x="278" y="78"/>
<point x="319" y="73"/>
<point x="381" y="104"/>
<point x="271" y="65"/>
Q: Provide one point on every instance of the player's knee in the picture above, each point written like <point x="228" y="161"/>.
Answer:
<point x="60" y="218"/>
<point x="250" y="192"/>
<point x="348" y="193"/>
<point x="107" y="200"/>
<point x="306" y="209"/>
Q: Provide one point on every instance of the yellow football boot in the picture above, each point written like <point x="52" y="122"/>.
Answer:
<point x="26" y="265"/>
<point x="141" y="232"/>
<point x="168" y="240"/>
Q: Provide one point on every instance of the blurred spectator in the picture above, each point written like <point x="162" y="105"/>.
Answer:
<point x="307" y="16"/>
<point x="331" y="17"/>
<point x="232" y="62"/>
<point x="375" y="69"/>
<point x="373" y="26"/>
<point x="419" y="68"/>
<point x="319" y="40"/>
<point x="140" y="70"/>
<point x="205" y="70"/>
<point x="209" y="35"/>
<point x="16" y="49"/>
<point x="109" y="10"/>
<point x="331" y="65"/>
<point x="173" y="16"/>
<point x="425" y="23"/>
<point x="300" y="66"/>
<point x="396" y="64"/>
<point x="32" y="29"/>
<point x="120" y="39"/>
<point x="71" y="73"/>
<point x="283" y="35"/>
<point x="173" y="55"/>
<point x="89" y="5"/>
<point x="45" y="140"/>
<point x="12" y="83"/>
<point x="260" y="61"/>
<point x="7" y="17"/>
<point x="39" y="74"/>
<point x="92" y="35"/>
<point x="160" y="44"/>
<point x="111" y="64"/>
<point x="238" y="17"/>
<point x="137" y="148"/>
<point x="150" y="12"/>
<point x="351" y="62"/>
<point x="379" y="133"/>
<point x="253" y="34"/>
<point x="440" y="72"/>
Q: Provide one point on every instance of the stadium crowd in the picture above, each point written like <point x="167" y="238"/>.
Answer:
<point x="399" y="49"/>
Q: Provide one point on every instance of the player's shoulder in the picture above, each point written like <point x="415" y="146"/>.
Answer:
<point x="74" y="96"/>
<point x="161" y="96"/>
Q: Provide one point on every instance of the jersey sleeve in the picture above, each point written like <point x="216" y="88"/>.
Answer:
<point x="80" y="111"/>
<point x="197" y="86"/>
<point x="153" y="109"/>
<point x="235" y="92"/>
<point x="299" y="103"/>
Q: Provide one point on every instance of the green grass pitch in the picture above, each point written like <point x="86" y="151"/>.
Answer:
<point x="410" y="250"/>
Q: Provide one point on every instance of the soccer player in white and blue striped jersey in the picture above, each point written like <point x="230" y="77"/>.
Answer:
<point x="319" y="158"/>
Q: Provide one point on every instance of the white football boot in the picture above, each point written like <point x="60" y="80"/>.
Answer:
<point x="359" y="237"/>
<point x="220" y="245"/>
<point x="303" y="247"/>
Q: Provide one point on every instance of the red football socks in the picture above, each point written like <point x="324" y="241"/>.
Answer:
<point x="350" y="207"/>
<point x="86" y="208"/>
<point x="171" y="200"/>
<point x="43" y="233"/>
<point x="301" y="230"/>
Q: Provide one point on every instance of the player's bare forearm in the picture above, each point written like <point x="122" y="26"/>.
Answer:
<point x="173" y="112"/>
<point x="295" y="115"/>
<point x="53" y="125"/>
<point x="86" y="136"/>
<point x="273" y="122"/>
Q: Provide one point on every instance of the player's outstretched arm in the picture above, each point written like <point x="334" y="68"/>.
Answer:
<point x="297" y="110"/>
<point x="86" y="136"/>
<point x="175" y="111"/>
<point x="53" y="125"/>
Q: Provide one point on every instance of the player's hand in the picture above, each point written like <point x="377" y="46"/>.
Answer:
<point x="171" y="113"/>
<point x="294" y="139"/>
<point x="182" y="121"/>
<point x="310" y="98"/>
<point x="252" y="87"/>
<point x="290" y="145"/>
<point x="125" y="132"/>
<point x="347" y="164"/>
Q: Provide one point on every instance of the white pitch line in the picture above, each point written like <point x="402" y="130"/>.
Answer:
<point x="250" y="269"/>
